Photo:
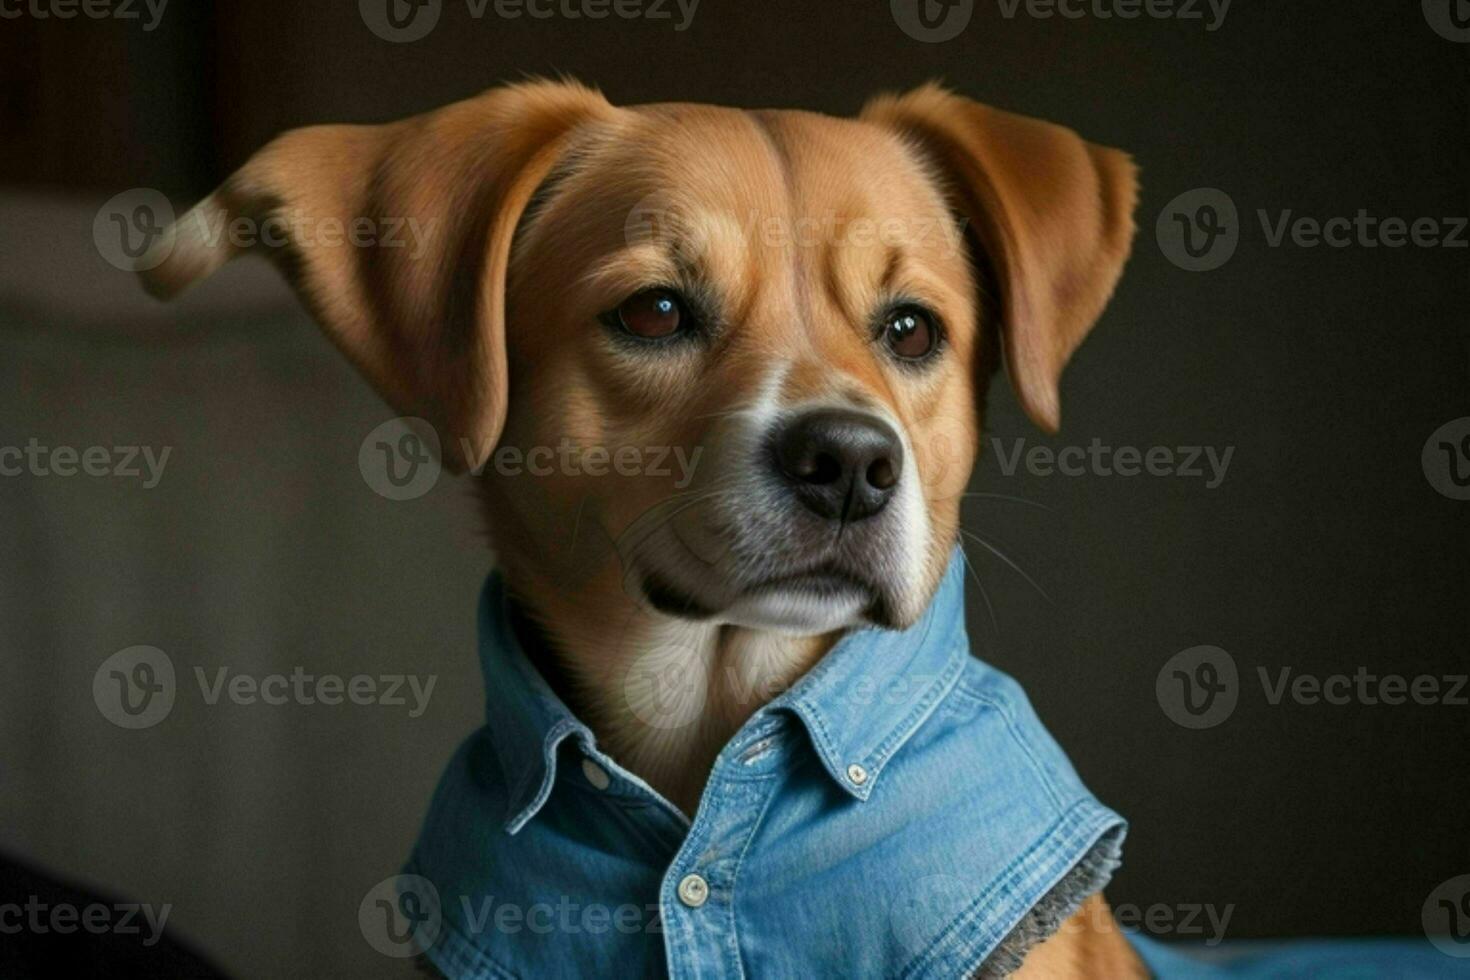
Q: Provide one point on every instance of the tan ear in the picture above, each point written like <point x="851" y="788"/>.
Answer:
<point x="1053" y="213"/>
<point x="397" y="239"/>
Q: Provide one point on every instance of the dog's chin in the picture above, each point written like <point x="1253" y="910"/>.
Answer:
<point x="811" y="602"/>
<point x="802" y="609"/>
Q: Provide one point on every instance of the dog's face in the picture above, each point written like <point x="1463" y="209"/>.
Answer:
<point x="785" y="302"/>
<point x="747" y="349"/>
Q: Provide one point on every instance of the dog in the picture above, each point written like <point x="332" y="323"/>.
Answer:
<point x="811" y="307"/>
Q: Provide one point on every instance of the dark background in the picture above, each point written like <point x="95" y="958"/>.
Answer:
<point x="1325" y="549"/>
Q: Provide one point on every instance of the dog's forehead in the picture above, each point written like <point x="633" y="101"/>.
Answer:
<point x="771" y="162"/>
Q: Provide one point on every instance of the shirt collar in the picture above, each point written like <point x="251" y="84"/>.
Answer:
<point x="859" y="705"/>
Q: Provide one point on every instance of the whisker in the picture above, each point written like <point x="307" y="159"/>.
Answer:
<point x="577" y="524"/>
<point x="983" y="594"/>
<point x="1003" y="557"/>
<point x="1006" y="496"/>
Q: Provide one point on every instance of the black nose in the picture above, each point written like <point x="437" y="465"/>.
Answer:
<point x="843" y="465"/>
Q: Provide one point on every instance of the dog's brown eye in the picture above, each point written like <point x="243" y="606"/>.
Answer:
<point x="910" y="334"/>
<point x="652" y="314"/>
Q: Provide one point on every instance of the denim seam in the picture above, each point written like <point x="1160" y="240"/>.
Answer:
<point x="920" y="713"/>
<point x="1058" y="837"/>
<point x="755" y="826"/>
<point x="1043" y="772"/>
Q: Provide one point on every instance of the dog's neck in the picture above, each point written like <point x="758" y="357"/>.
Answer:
<point x="662" y="695"/>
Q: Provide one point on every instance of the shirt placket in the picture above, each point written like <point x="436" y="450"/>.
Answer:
<point x="697" y="897"/>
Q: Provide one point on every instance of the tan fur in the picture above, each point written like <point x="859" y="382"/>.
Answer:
<point x="493" y="336"/>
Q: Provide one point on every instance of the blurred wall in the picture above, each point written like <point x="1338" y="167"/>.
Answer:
<point x="1324" y="548"/>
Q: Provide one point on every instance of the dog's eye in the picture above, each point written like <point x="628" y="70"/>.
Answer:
<point x="652" y="314"/>
<point x="910" y="333"/>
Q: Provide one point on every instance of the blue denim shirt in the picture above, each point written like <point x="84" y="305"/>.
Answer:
<point x="898" y="812"/>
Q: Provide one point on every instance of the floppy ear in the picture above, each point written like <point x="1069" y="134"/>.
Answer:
<point x="1053" y="213"/>
<point x="397" y="239"/>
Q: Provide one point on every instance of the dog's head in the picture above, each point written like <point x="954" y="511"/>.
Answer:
<point x="730" y="364"/>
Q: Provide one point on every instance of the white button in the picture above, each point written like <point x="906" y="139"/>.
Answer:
<point x="857" y="774"/>
<point x="693" y="891"/>
<point x="595" y="774"/>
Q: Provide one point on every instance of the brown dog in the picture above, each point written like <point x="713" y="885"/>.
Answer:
<point x="679" y="276"/>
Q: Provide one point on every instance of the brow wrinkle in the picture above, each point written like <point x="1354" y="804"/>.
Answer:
<point x="788" y="182"/>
